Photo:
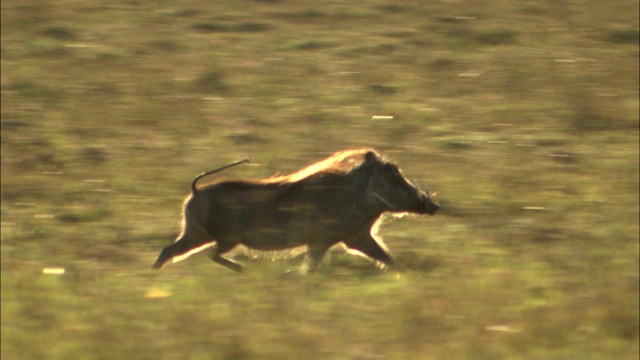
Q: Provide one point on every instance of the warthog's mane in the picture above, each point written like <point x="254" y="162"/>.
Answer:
<point x="340" y="163"/>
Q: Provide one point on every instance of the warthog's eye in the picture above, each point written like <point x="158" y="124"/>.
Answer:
<point x="390" y="168"/>
<point x="393" y="172"/>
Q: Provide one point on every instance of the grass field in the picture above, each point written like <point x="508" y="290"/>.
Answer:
<point x="521" y="115"/>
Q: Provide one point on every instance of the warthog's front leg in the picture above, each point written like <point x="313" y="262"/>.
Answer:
<point x="367" y="245"/>
<point x="220" y="248"/>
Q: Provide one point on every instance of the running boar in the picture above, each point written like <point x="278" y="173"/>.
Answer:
<point x="338" y="199"/>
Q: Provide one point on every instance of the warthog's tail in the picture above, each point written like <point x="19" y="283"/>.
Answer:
<point x="194" y="190"/>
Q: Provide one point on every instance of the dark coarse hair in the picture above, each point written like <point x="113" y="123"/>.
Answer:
<point x="340" y="163"/>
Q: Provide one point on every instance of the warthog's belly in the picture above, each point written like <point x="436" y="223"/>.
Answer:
<point x="279" y="225"/>
<point x="273" y="239"/>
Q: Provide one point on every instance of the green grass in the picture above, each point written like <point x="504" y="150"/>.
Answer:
<point x="523" y="117"/>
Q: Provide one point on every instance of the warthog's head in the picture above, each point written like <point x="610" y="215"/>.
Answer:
<point x="390" y="190"/>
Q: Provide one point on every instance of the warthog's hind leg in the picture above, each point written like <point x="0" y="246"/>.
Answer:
<point x="177" y="248"/>
<point x="220" y="248"/>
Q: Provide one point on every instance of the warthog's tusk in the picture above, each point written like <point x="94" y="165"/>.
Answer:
<point x="416" y="183"/>
<point x="377" y="196"/>
<point x="426" y="189"/>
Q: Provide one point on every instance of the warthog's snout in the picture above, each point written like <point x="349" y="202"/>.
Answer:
<point x="427" y="205"/>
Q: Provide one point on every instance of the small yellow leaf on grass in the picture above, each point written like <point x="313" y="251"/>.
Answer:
<point x="503" y="329"/>
<point x="53" y="271"/>
<point x="157" y="294"/>
<point x="382" y="117"/>
<point x="533" y="208"/>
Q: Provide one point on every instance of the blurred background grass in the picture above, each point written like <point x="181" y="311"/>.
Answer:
<point x="522" y="115"/>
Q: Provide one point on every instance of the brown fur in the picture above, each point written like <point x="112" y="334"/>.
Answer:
<point x="338" y="199"/>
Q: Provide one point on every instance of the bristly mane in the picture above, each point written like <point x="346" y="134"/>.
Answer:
<point x="339" y="163"/>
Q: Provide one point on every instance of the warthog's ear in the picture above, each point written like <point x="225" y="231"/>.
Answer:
<point x="370" y="156"/>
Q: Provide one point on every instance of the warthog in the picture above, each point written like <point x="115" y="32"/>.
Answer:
<point x="338" y="199"/>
